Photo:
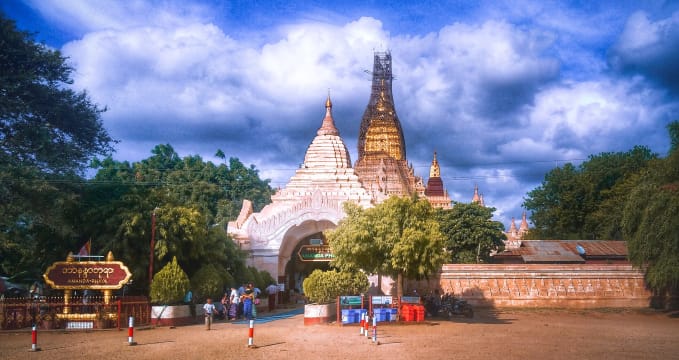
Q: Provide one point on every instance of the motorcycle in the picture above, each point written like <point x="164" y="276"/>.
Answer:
<point x="448" y="306"/>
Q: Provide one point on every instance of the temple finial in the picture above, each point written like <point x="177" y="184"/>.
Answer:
<point x="328" y="103"/>
<point x="435" y="169"/>
<point x="328" y="125"/>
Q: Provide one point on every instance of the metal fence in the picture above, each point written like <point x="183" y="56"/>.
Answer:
<point x="82" y="312"/>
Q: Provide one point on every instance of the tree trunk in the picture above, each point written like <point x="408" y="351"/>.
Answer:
<point x="399" y="285"/>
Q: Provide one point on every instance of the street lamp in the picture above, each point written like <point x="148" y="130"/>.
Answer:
<point x="153" y="245"/>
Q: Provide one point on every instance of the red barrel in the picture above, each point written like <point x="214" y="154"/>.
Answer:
<point x="419" y="312"/>
<point x="407" y="312"/>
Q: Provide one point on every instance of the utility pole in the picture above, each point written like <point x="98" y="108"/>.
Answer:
<point x="153" y="246"/>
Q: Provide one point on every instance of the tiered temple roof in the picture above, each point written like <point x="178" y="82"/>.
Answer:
<point x="435" y="192"/>
<point x="326" y="167"/>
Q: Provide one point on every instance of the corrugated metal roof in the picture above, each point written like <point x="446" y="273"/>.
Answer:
<point x="566" y="251"/>
<point x="606" y="248"/>
<point x="548" y="251"/>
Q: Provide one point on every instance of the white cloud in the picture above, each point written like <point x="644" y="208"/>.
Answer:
<point x="477" y="73"/>
<point x="586" y="117"/>
<point x="489" y="96"/>
<point x="640" y="33"/>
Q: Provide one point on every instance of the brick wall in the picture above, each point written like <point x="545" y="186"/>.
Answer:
<point x="536" y="285"/>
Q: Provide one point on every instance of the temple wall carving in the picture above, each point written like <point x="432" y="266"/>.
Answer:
<point x="267" y="231"/>
<point x="542" y="285"/>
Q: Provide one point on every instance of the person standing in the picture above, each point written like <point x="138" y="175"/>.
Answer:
<point x="210" y="310"/>
<point x="234" y="300"/>
<point x="225" y="307"/>
<point x="241" y="291"/>
<point x="248" y="299"/>
<point x="272" y="291"/>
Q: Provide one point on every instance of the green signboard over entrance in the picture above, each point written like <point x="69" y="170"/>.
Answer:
<point x="315" y="253"/>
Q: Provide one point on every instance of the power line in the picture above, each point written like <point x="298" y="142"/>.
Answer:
<point x="131" y="170"/>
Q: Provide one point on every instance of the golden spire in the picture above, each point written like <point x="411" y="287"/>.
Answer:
<point x="434" y="170"/>
<point x="380" y="134"/>
<point x="328" y="103"/>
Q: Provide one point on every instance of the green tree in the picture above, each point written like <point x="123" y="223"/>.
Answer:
<point x="557" y="205"/>
<point x="609" y="175"/>
<point x="208" y="281"/>
<point x="399" y="237"/>
<point x="582" y="202"/>
<point x="48" y="133"/>
<point x="43" y="123"/>
<point x="471" y="234"/>
<point x="192" y="200"/>
<point x="650" y="223"/>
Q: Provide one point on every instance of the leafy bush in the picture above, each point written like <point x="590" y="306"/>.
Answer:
<point x="228" y="280"/>
<point x="256" y="278"/>
<point x="170" y="284"/>
<point x="208" y="281"/>
<point x="267" y="279"/>
<point x="325" y="286"/>
<point x="246" y="276"/>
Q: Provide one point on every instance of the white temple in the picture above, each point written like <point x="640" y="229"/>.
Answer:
<point x="310" y="203"/>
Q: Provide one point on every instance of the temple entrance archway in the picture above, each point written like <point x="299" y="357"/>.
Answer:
<point x="292" y="269"/>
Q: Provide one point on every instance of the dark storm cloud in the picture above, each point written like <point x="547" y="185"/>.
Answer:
<point x="649" y="48"/>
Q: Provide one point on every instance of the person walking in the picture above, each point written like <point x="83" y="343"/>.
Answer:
<point x="272" y="291"/>
<point x="210" y="310"/>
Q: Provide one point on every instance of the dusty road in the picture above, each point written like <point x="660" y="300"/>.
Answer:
<point x="491" y="334"/>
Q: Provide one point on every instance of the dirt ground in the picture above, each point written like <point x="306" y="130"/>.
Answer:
<point x="491" y="334"/>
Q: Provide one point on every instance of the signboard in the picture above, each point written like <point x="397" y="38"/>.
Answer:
<point x="351" y="300"/>
<point x="315" y="253"/>
<point x="410" y="299"/>
<point x="381" y="300"/>
<point x="98" y="275"/>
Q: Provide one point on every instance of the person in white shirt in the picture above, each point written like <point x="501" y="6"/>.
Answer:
<point x="234" y="300"/>
<point x="210" y="311"/>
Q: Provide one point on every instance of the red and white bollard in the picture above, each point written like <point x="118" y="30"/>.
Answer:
<point x="34" y="339"/>
<point x="251" y="334"/>
<point x="362" y="323"/>
<point x="130" y="332"/>
<point x="366" y="325"/>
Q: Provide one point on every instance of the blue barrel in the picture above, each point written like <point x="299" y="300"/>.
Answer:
<point x="382" y="314"/>
<point x="348" y="316"/>
<point x="392" y="314"/>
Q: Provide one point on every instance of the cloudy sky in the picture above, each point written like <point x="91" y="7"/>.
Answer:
<point x="504" y="91"/>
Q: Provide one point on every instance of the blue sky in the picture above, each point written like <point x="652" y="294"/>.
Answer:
<point x="502" y="90"/>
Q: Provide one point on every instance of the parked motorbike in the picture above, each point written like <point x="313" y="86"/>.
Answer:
<point x="448" y="306"/>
